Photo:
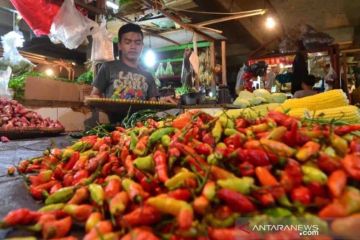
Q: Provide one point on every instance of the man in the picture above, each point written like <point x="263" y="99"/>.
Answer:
<point x="124" y="78"/>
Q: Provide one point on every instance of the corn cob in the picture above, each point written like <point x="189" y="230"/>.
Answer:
<point x="251" y="113"/>
<point x="329" y="99"/>
<point x="349" y="114"/>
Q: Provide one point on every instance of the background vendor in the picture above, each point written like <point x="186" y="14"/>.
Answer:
<point x="124" y="78"/>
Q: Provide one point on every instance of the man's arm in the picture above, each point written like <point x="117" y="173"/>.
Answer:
<point x="96" y="93"/>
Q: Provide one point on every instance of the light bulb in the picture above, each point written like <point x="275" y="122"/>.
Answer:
<point x="270" y="22"/>
<point x="150" y="58"/>
<point x="49" y="72"/>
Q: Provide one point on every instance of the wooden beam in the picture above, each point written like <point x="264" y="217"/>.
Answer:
<point x="223" y="62"/>
<point x="89" y="7"/>
<point x="233" y="17"/>
<point x="212" y="63"/>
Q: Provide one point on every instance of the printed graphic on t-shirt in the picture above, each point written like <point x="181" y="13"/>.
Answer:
<point x="130" y="85"/>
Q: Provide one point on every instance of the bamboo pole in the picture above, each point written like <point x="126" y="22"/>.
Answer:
<point x="223" y="62"/>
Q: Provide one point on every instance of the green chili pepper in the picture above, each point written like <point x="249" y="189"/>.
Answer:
<point x="209" y="190"/>
<point x="217" y="131"/>
<point x="21" y="238"/>
<point x="278" y="212"/>
<point x="212" y="159"/>
<point x="221" y="223"/>
<point x="157" y="135"/>
<point x="230" y="131"/>
<point x="277" y="133"/>
<point x="241" y="185"/>
<point x="330" y="151"/>
<point x="350" y="199"/>
<point x="60" y="196"/>
<point x="340" y="144"/>
<point x="145" y="163"/>
<point x="133" y="140"/>
<point x="66" y="154"/>
<point x="312" y="174"/>
<point x="284" y="201"/>
<point x="81" y="146"/>
<point x="226" y="122"/>
<point x="89" y="153"/>
<point x="165" y="140"/>
<point x="179" y="179"/>
<point x="97" y="193"/>
<point x="52" y="207"/>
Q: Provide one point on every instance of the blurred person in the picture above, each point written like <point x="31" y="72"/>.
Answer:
<point x="307" y="85"/>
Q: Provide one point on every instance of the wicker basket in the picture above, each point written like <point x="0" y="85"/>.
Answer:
<point x="30" y="132"/>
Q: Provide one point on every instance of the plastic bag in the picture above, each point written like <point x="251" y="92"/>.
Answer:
<point x="313" y="39"/>
<point x="38" y="14"/>
<point x="70" y="27"/>
<point x="169" y="71"/>
<point x="160" y="71"/>
<point x="12" y="58"/>
<point x="4" y="82"/>
<point x="102" y="45"/>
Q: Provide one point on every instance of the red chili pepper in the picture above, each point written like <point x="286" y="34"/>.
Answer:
<point x="235" y="141"/>
<point x="247" y="169"/>
<point x="59" y="172"/>
<point x="115" y="137"/>
<point x="265" y="177"/>
<point x="23" y="166"/>
<point x="187" y="150"/>
<point x="21" y="216"/>
<point x="351" y="164"/>
<point x="203" y="148"/>
<point x="72" y="160"/>
<point x="100" y="229"/>
<point x="160" y="160"/>
<point x="231" y="234"/>
<point x="201" y="205"/>
<point x="55" y="187"/>
<point x="337" y="182"/>
<point x="124" y="153"/>
<point x="236" y="201"/>
<point x="292" y="175"/>
<point x="43" y="177"/>
<point x="301" y="194"/>
<point x="129" y="166"/>
<point x="146" y="215"/>
<point x="36" y="193"/>
<point x="113" y="186"/>
<point x="80" y="175"/>
<point x="180" y="194"/>
<point x="328" y="163"/>
<point x="208" y="139"/>
<point x="140" y="234"/>
<point x="79" y="212"/>
<point x="68" y="179"/>
<point x="99" y="159"/>
<point x="355" y="145"/>
<point x="333" y="210"/>
<point x="220" y="173"/>
<point x="106" y="169"/>
<point x="240" y="123"/>
<point x="345" y="129"/>
<point x="317" y="189"/>
<point x="80" y="196"/>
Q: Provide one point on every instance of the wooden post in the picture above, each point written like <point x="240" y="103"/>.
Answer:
<point x="223" y="62"/>
<point x="212" y="63"/>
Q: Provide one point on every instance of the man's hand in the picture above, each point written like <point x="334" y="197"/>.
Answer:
<point x="168" y="99"/>
<point x="95" y="93"/>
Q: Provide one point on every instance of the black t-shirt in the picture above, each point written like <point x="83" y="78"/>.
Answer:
<point x="117" y="80"/>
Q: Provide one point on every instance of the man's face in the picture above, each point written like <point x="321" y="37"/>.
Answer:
<point x="131" y="46"/>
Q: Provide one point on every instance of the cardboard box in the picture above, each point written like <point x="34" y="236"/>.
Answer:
<point x="38" y="88"/>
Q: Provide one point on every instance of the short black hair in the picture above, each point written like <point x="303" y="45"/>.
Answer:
<point x="310" y="80"/>
<point x="129" y="27"/>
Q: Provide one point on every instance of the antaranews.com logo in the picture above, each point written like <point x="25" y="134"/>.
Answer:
<point x="301" y="229"/>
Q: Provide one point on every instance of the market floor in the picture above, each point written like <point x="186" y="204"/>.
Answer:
<point x="13" y="192"/>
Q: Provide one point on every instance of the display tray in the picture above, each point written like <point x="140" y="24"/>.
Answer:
<point x="33" y="132"/>
<point x="122" y="105"/>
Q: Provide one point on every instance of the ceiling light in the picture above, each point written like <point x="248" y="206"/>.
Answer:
<point x="112" y="5"/>
<point x="150" y="58"/>
<point x="49" y="72"/>
<point x="270" y="23"/>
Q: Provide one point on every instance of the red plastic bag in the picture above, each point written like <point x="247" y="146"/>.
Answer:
<point x="38" y="14"/>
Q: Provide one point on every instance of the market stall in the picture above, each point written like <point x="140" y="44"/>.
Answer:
<point x="263" y="166"/>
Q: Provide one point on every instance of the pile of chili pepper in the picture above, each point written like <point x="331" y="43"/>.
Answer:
<point x="193" y="178"/>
